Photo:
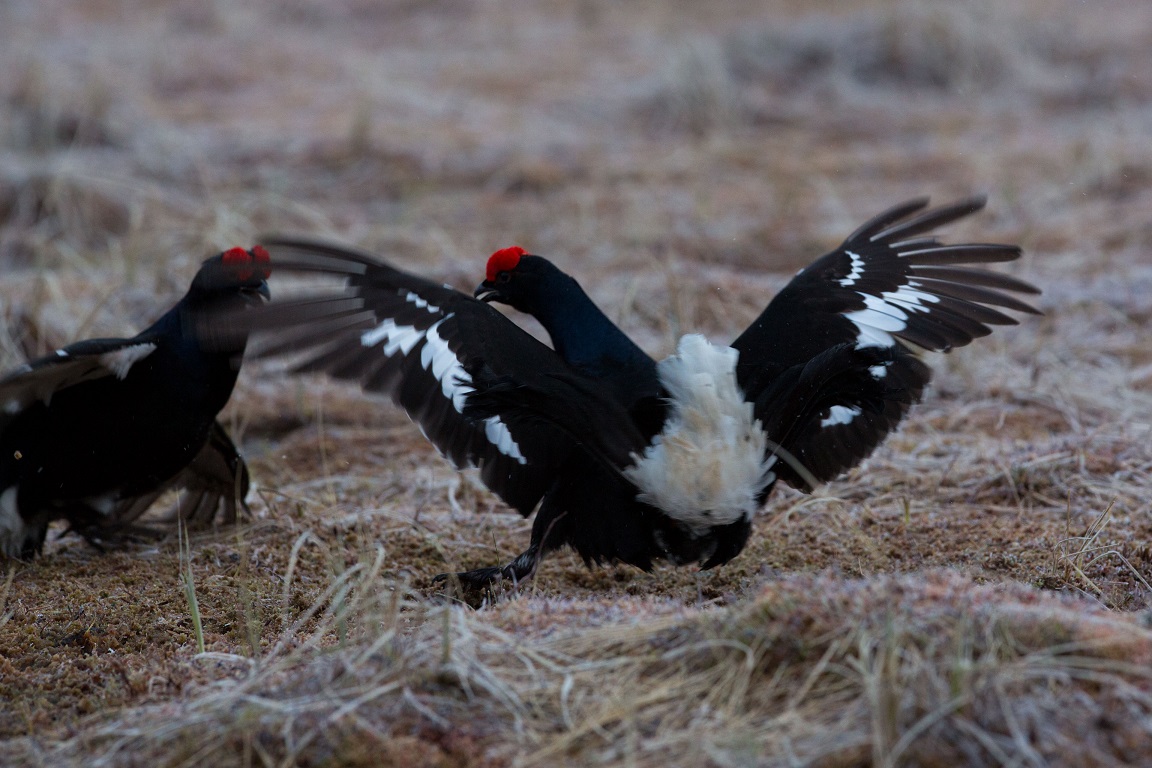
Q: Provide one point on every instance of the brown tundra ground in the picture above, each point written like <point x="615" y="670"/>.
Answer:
<point x="977" y="592"/>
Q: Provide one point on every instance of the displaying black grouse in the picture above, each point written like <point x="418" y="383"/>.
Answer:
<point x="96" y="432"/>
<point x="626" y="459"/>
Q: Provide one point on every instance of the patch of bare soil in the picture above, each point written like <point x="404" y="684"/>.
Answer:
<point x="977" y="592"/>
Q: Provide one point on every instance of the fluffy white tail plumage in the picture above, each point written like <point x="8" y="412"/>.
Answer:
<point x="708" y="465"/>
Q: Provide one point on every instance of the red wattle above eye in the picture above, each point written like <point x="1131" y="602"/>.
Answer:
<point x="504" y="260"/>
<point x="263" y="260"/>
<point x="239" y="261"/>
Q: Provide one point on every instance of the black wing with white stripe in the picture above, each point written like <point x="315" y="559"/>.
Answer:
<point x="420" y="343"/>
<point x="67" y="367"/>
<point x="847" y="409"/>
<point x="891" y="285"/>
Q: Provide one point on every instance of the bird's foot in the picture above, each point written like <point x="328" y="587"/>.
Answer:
<point x="522" y="568"/>
<point x="31" y="548"/>
<point x="473" y="581"/>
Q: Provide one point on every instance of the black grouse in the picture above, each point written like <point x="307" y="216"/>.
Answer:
<point x="96" y="432"/>
<point x="626" y="459"/>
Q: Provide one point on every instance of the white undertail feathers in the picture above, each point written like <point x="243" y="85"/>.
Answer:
<point x="14" y="533"/>
<point x="709" y="464"/>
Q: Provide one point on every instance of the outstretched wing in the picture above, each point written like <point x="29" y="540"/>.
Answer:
<point x="888" y="285"/>
<point x="831" y="413"/>
<point x="840" y="380"/>
<point x="419" y="343"/>
<point x="83" y="361"/>
<point x="572" y="404"/>
<point x="213" y="489"/>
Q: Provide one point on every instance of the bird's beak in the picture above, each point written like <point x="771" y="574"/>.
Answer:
<point x="486" y="292"/>
<point x="258" y="294"/>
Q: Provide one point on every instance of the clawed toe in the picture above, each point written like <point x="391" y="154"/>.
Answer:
<point x="473" y="581"/>
<point x="522" y="568"/>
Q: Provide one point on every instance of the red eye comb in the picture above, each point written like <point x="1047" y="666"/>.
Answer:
<point x="263" y="260"/>
<point x="245" y="264"/>
<point x="235" y="257"/>
<point x="504" y="260"/>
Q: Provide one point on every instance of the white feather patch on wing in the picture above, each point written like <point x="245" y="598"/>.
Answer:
<point x="857" y="265"/>
<point x="455" y="383"/>
<point x="437" y="358"/>
<point x="421" y="303"/>
<point x="396" y="338"/>
<point x="876" y="323"/>
<point x="497" y="433"/>
<point x="709" y="464"/>
<point x="121" y="360"/>
<point x="909" y="298"/>
<point x="888" y="313"/>
<point x="840" y="414"/>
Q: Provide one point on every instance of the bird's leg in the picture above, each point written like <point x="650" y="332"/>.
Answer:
<point x="87" y="522"/>
<point x="34" y="542"/>
<point x="522" y="568"/>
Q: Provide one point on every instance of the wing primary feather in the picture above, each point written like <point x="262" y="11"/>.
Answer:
<point x="310" y="336"/>
<point x="931" y="219"/>
<point x="970" y="253"/>
<point x="878" y="223"/>
<point x="974" y="294"/>
<point x="981" y="277"/>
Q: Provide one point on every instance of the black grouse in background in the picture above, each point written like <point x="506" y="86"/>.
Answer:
<point x="96" y="432"/>
<point x="626" y="459"/>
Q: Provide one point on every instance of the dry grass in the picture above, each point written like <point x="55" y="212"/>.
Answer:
<point x="925" y="670"/>
<point x="976" y="593"/>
